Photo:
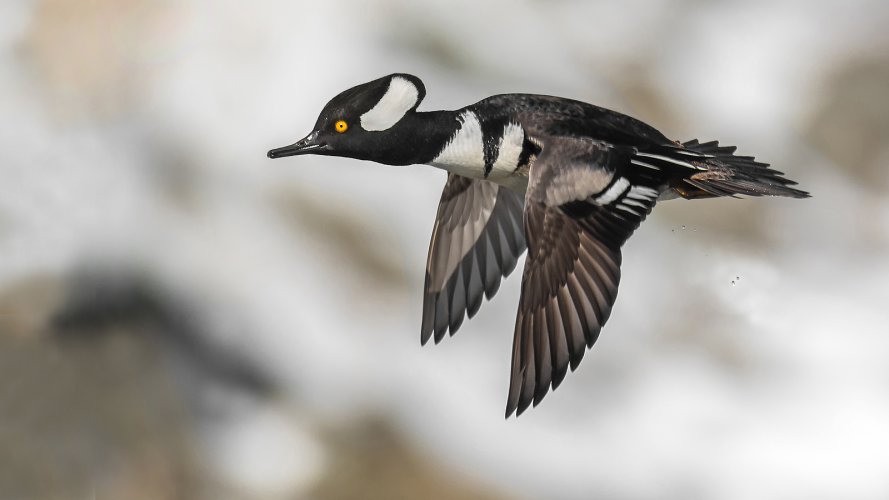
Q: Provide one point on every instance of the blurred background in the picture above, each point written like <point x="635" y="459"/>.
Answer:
<point x="181" y="318"/>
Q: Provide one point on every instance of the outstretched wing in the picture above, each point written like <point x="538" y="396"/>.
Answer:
<point x="582" y="204"/>
<point x="476" y="240"/>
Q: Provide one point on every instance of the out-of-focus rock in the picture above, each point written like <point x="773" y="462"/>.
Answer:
<point x="372" y="461"/>
<point x="639" y="87"/>
<point x="87" y="56"/>
<point x="105" y="380"/>
<point x="104" y="385"/>
<point x="24" y="305"/>
<point x="96" y="416"/>
<point x="101" y="300"/>
<point x="850" y="123"/>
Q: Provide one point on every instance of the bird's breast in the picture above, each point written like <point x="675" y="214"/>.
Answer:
<point x="497" y="150"/>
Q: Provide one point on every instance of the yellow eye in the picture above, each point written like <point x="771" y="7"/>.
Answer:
<point x="341" y="126"/>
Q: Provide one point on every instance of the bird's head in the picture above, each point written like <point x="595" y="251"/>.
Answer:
<point x="362" y="122"/>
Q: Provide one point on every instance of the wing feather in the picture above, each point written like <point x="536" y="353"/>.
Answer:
<point x="572" y="271"/>
<point x="476" y="241"/>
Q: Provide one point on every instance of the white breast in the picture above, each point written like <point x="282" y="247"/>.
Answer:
<point x="464" y="154"/>
<point x="508" y="152"/>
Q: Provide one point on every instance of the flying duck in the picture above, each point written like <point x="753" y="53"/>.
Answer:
<point x="569" y="180"/>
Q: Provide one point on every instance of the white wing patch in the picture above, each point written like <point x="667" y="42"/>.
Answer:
<point x="464" y="153"/>
<point x="693" y="153"/>
<point x="572" y="184"/>
<point x="641" y="163"/>
<point x="637" y="200"/>
<point x="643" y="193"/>
<point x="614" y="192"/>
<point x="508" y="152"/>
<point x="401" y="96"/>
<point x="667" y="159"/>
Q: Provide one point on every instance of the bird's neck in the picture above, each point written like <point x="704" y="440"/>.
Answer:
<point x="459" y="142"/>
<point x="416" y="138"/>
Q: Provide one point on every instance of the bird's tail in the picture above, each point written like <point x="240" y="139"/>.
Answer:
<point x="721" y="173"/>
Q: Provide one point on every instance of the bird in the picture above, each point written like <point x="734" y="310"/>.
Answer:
<point x="567" y="180"/>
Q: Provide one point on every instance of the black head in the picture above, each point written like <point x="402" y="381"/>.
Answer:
<point x="362" y="121"/>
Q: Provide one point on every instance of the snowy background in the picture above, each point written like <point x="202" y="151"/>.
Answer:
<point x="182" y="318"/>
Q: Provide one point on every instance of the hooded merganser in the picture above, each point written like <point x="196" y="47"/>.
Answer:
<point x="571" y="179"/>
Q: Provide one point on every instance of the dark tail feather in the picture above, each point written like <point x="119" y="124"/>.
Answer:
<point x="730" y="175"/>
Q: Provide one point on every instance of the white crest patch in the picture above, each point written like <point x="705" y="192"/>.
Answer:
<point x="508" y="151"/>
<point x="401" y="96"/>
<point x="464" y="153"/>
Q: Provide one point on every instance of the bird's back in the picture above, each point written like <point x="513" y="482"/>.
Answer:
<point x="543" y="115"/>
<point x="688" y="169"/>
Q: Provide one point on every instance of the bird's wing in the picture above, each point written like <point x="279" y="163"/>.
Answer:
<point x="476" y="240"/>
<point x="582" y="204"/>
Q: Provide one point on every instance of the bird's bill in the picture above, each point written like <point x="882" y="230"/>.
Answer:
<point x="307" y="145"/>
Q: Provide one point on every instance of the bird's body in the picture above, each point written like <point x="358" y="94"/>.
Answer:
<point x="571" y="179"/>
